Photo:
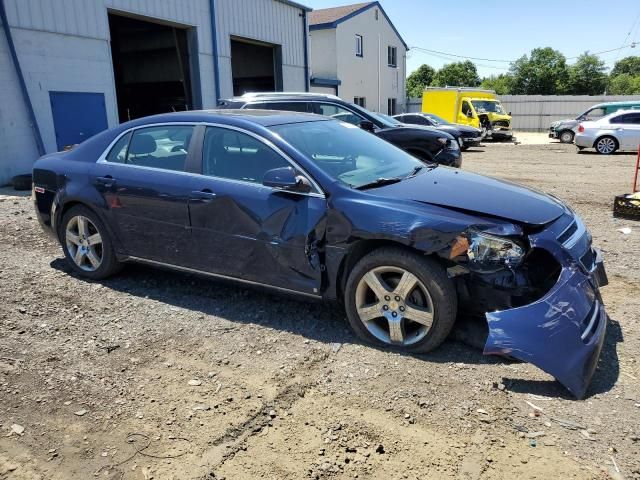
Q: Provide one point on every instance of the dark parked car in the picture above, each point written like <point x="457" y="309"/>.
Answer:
<point x="471" y="136"/>
<point x="426" y="144"/>
<point x="322" y="209"/>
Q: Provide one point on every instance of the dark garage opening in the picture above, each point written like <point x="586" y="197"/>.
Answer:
<point x="151" y="66"/>
<point x="256" y="67"/>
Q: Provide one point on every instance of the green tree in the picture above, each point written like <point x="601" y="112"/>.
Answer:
<point x="418" y="80"/>
<point x="587" y="76"/>
<point x="629" y="65"/>
<point x="500" y="83"/>
<point x="458" y="74"/>
<point x="624" y="84"/>
<point x="543" y="72"/>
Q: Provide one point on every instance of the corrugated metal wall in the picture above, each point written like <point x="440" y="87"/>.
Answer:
<point x="63" y="45"/>
<point x="271" y="22"/>
<point x="534" y="113"/>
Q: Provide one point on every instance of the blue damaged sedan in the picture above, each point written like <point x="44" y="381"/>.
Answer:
<point x="318" y="208"/>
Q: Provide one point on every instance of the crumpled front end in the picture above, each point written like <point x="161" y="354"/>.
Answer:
<point x="562" y="332"/>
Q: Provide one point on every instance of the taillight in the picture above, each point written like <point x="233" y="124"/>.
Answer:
<point x="580" y="128"/>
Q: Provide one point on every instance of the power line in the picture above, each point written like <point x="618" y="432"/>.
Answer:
<point x="448" y="56"/>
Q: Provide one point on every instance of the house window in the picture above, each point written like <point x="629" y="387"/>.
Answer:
<point x="392" y="56"/>
<point x="376" y="14"/>
<point x="361" y="101"/>
<point x="391" y="106"/>
<point x="359" y="49"/>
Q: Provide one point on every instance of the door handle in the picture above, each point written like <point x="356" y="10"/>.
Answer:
<point x="106" y="181"/>
<point x="202" y="195"/>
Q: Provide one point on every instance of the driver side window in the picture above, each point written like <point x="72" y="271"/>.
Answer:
<point x="466" y="109"/>
<point x="237" y="156"/>
<point x="595" y="113"/>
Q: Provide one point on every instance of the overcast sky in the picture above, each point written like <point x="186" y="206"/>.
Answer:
<point x="505" y="30"/>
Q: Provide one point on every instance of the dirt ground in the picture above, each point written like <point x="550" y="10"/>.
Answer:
<point x="162" y="375"/>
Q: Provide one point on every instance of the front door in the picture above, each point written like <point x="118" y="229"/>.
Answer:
<point x="627" y="130"/>
<point x="245" y="230"/>
<point x="145" y="186"/>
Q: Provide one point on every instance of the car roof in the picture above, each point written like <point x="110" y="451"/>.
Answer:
<point x="618" y="104"/>
<point x="280" y="96"/>
<point x="265" y="118"/>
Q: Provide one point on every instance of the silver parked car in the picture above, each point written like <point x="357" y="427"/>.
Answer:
<point x="619" y="131"/>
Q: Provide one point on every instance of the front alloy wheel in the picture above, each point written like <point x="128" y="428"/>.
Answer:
<point x="394" y="305"/>
<point x="566" y="136"/>
<point x="398" y="298"/>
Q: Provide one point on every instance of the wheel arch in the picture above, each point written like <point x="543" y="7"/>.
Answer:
<point x="606" y="135"/>
<point x="359" y="250"/>
<point x="74" y="202"/>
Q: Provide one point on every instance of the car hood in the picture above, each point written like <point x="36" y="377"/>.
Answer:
<point x="468" y="130"/>
<point x="432" y="131"/>
<point x="457" y="189"/>
<point x="569" y="122"/>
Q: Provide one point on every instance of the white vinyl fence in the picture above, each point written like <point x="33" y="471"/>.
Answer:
<point x="534" y="113"/>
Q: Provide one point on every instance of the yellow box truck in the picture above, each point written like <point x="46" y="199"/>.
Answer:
<point x="469" y="106"/>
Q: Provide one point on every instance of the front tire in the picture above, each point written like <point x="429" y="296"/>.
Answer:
<point x="87" y="244"/>
<point x="606" y="145"/>
<point x="566" y="136"/>
<point x="397" y="298"/>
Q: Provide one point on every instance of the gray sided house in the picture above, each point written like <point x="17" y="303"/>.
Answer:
<point x="358" y="54"/>
<point x="71" y="68"/>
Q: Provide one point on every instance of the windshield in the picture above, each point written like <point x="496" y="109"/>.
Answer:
<point x="436" y="119"/>
<point x="389" y="119"/>
<point x="383" y="123"/>
<point x="487" y="106"/>
<point x="348" y="153"/>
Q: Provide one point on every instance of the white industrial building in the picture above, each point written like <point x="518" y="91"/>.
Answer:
<point x="71" y="68"/>
<point x="358" y="54"/>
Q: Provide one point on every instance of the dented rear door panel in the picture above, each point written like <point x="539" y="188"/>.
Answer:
<point x="258" y="234"/>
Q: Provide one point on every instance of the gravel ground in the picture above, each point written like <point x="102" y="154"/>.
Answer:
<point x="160" y="375"/>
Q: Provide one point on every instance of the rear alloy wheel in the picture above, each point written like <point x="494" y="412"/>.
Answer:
<point x="400" y="299"/>
<point x="87" y="245"/>
<point x="566" y="136"/>
<point x="606" y="145"/>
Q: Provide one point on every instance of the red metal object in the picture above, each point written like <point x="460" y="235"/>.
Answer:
<point x="635" y="176"/>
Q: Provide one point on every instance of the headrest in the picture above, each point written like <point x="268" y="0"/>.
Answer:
<point x="142" y="145"/>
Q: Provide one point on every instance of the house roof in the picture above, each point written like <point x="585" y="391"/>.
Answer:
<point x="330" y="15"/>
<point x="327" y="18"/>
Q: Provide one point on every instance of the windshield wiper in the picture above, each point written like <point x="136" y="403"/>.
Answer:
<point x="415" y="171"/>
<point x="379" y="182"/>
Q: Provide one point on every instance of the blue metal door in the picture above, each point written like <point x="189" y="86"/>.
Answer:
<point x="77" y="116"/>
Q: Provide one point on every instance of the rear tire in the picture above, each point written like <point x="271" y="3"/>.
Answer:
<point x="87" y="244"/>
<point x="606" y="145"/>
<point x="566" y="136"/>
<point x="399" y="299"/>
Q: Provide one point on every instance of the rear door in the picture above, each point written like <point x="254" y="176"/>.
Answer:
<point x="627" y="130"/>
<point x="245" y="230"/>
<point x="144" y="180"/>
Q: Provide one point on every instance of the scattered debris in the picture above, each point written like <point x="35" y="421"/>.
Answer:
<point x="568" y="424"/>
<point x="335" y="347"/>
<point x="195" y="383"/>
<point x="17" y="429"/>
<point x="80" y="413"/>
<point x="587" y="435"/>
<point x="625" y="230"/>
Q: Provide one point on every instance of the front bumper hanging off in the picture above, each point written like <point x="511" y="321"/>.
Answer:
<point x="562" y="333"/>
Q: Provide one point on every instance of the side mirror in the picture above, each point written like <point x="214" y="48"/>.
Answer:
<point x="470" y="114"/>
<point x="367" y="126"/>
<point x="509" y="114"/>
<point x="285" y="179"/>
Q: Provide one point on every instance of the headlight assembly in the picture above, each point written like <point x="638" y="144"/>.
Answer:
<point x="487" y="253"/>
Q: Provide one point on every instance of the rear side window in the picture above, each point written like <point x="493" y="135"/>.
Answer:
<point x="118" y="153"/>
<point x="335" y="111"/>
<point x="633" y="118"/>
<point x="237" y="156"/>
<point x="164" y="147"/>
